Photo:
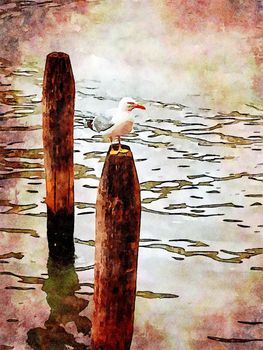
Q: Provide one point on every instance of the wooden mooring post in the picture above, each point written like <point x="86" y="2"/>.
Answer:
<point x="118" y="212"/>
<point x="58" y="120"/>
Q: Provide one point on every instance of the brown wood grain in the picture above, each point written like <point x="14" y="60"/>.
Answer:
<point x="58" y="119"/>
<point x="118" y="214"/>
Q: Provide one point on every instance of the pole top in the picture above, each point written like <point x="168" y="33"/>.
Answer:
<point x="57" y="66"/>
<point x="58" y="55"/>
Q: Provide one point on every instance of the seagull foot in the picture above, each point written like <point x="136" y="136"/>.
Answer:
<point x="114" y="152"/>
<point x="118" y="150"/>
<point x="123" y="150"/>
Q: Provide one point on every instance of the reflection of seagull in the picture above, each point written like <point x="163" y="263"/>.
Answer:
<point x="117" y="121"/>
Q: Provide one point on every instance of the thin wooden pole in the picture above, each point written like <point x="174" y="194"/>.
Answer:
<point x="58" y="119"/>
<point x="118" y="211"/>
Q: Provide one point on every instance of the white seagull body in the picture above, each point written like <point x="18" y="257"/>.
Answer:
<point x="118" y="121"/>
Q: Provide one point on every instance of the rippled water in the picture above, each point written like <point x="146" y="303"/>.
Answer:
<point x="200" y="259"/>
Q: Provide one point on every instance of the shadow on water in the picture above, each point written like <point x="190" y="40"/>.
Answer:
<point x="60" y="287"/>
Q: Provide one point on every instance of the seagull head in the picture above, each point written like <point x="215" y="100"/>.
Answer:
<point x="127" y="104"/>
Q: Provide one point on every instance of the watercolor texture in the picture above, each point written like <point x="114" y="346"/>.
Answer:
<point x="196" y="66"/>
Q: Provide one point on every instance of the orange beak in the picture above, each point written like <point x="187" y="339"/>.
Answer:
<point x="138" y="106"/>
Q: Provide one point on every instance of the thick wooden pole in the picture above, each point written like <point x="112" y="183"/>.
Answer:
<point x="58" y="119"/>
<point x="116" y="252"/>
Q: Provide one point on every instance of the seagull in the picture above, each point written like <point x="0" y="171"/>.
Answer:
<point x="116" y="121"/>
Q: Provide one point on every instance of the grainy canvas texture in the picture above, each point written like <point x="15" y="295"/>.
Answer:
<point x="196" y="66"/>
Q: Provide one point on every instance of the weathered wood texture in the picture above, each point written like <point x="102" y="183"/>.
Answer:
<point x="118" y="212"/>
<point x="58" y="119"/>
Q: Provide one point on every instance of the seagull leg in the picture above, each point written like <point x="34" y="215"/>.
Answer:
<point x="119" y="144"/>
<point x="113" y="151"/>
<point x="120" y="149"/>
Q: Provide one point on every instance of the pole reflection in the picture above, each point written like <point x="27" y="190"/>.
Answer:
<point x="65" y="306"/>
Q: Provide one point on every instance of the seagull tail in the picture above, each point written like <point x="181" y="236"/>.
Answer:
<point x="90" y="124"/>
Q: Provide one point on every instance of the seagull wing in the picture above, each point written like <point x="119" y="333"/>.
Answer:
<point x="104" y="122"/>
